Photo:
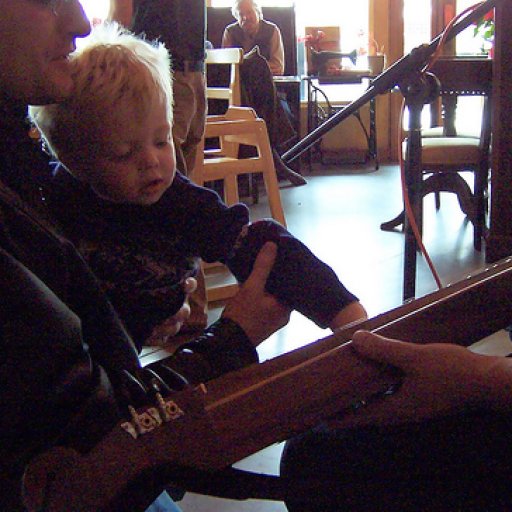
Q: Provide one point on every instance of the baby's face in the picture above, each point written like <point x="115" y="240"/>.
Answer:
<point x="135" y="162"/>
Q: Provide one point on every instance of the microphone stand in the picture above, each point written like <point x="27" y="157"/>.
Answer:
<point x="401" y="70"/>
<point x="417" y="88"/>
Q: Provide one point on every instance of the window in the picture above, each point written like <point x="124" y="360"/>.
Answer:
<point x="96" y="9"/>
<point x="417" y="23"/>
<point x="351" y="16"/>
<point x="467" y="43"/>
<point x="417" y="14"/>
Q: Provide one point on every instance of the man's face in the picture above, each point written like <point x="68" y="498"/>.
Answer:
<point x="248" y="17"/>
<point x="36" y="39"/>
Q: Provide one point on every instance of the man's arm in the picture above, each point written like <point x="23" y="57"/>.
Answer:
<point x="438" y="379"/>
<point x="226" y="40"/>
<point x="276" y="61"/>
<point x="121" y="11"/>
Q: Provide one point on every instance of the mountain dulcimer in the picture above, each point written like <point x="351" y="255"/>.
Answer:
<point x="211" y="426"/>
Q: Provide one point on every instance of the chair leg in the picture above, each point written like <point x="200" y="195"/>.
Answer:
<point x="480" y="200"/>
<point x="445" y="182"/>
<point x="231" y="195"/>
<point x="454" y="183"/>
<point x="270" y="176"/>
<point x="255" y="193"/>
<point x="390" y="225"/>
<point x="438" y="200"/>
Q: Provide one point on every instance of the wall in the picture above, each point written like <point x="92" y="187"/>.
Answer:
<point x="346" y="142"/>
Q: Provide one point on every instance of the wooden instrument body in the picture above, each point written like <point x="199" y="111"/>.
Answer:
<point x="245" y="411"/>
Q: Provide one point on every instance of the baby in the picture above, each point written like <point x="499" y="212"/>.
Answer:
<point x="140" y="224"/>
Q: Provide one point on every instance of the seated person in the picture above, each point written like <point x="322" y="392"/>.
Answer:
<point x="141" y="225"/>
<point x="250" y="30"/>
<point x="262" y="42"/>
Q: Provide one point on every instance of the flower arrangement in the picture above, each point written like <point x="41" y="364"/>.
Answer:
<point x="484" y="29"/>
<point x="376" y="57"/>
<point x="314" y="40"/>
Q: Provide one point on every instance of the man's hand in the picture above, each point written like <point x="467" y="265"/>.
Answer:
<point x="170" y="327"/>
<point x="257" y="312"/>
<point x="438" y="379"/>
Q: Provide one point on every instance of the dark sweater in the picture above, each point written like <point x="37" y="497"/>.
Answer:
<point x="142" y="253"/>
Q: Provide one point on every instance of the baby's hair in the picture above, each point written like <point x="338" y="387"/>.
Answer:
<point x="111" y="69"/>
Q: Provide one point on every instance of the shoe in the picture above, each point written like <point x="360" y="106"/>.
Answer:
<point x="285" y="173"/>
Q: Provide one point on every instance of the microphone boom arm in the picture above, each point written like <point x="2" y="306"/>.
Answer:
<point x="411" y="63"/>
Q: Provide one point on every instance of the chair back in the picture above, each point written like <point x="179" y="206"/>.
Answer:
<point x="230" y="58"/>
<point x="444" y="157"/>
<point x="464" y="77"/>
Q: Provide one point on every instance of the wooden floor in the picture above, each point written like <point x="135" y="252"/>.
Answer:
<point x="338" y="215"/>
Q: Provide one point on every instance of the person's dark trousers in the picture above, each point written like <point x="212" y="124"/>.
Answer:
<point x="259" y="92"/>
<point x="460" y="463"/>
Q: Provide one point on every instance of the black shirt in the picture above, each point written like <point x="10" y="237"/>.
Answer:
<point x="179" y="24"/>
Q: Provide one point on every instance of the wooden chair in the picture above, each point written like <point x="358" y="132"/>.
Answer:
<point x="445" y="154"/>
<point x="238" y="126"/>
<point x="231" y="58"/>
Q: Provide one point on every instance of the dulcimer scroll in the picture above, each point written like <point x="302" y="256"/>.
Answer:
<point x="214" y="425"/>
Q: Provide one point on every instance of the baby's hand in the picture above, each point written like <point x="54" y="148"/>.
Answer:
<point x="172" y="326"/>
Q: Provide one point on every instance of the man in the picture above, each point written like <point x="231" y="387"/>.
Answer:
<point x="64" y="353"/>
<point x="181" y="26"/>
<point x="250" y="30"/>
<point x="263" y="46"/>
